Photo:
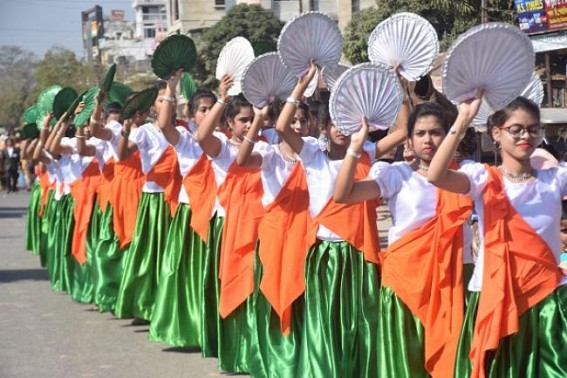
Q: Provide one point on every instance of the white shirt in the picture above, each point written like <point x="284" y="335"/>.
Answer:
<point x="321" y="174"/>
<point x="538" y="203"/>
<point x="152" y="144"/>
<point x="275" y="171"/>
<point x="188" y="153"/>
<point x="72" y="165"/>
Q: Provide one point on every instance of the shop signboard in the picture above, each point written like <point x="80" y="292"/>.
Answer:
<point x="556" y="11"/>
<point x="540" y="16"/>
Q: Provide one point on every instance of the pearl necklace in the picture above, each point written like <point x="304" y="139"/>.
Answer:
<point x="520" y="177"/>
<point x="422" y="167"/>
<point x="286" y="156"/>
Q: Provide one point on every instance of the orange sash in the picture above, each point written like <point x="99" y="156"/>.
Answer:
<point x="519" y="271"/>
<point x="165" y="173"/>
<point x="283" y="247"/>
<point x="125" y="197"/>
<point x="241" y="196"/>
<point x="45" y="186"/>
<point x="83" y="191"/>
<point x="105" y="187"/>
<point x="425" y="270"/>
<point x="355" y="223"/>
<point x="201" y="186"/>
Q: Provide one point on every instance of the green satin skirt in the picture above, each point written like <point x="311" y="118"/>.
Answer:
<point x="59" y="244"/>
<point x="340" y="330"/>
<point x="46" y="232"/>
<point x="210" y="317"/>
<point x="33" y="228"/>
<point x="143" y="260"/>
<point x="468" y="270"/>
<point x="82" y="287"/>
<point x="177" y="318"/>
<point x="401" y="350"/>
<point x="538" y="350"/>
<point x="274" y="355"/>
<point x="107" y="263"/>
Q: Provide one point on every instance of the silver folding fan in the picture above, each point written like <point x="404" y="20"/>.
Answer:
<point x="331" y="75"/>
<point x="366" y="90"/>
<point x="407" y="40"/>
<point x="233" y="60"/>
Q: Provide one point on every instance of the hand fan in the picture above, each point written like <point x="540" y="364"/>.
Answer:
<point x="63" y="99"/>
<point x="82" y="118"/>
<point x="331" y="75"/>
<point x="175" y="52"/>
<point x="233" y="59"/>
<point x="141" y="102"/>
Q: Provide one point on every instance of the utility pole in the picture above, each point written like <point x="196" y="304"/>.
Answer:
<point x="483" y="11"/>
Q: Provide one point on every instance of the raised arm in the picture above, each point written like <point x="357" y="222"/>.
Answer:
<point x="346" y="190"/>
<point x="245" y="155"/>
<point x="95" y="123"/>
<point x="125" y="147"/>
<point x="164" y="121"/>
<point x="397" y="133"/>
<point x="284" y="120"/>
<point x="55" y="147"/>
<point x="210" y="144"/>
<point x="83" y="148"/>
<point x="439" y="173"/>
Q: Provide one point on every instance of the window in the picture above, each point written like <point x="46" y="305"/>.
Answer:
<point x="149" y="33"/>
<point x="175" y="9"/>
<point x="355" y="7"/>
<point x="219" y="3"/>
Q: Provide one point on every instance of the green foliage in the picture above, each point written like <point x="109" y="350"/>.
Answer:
<point x="449" y="18"/>
<point x="17" y="79"/>
<point x="248" y="21"/>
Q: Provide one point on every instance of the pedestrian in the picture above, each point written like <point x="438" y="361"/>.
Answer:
<point x="11" y="159"/>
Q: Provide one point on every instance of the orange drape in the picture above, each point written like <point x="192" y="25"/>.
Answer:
<point x="83" y="191"/>
<point x="45" y="186"/>
<point x="105" y="187"/>
<point x="283" y="247"/>
<point x="165" y="173"/>
<point x="126" y="191"/>
<point x="425" y="270"/>
<point x="201" y="186"/>
<point x="355" y="223"/>
<point x="519" y="271"/>
<point x="241" y="196"/>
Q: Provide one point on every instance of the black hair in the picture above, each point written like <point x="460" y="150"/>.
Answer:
<point x="275" y="108"/>
<point x="196" y="98"/>
<point x="161" y="84"/>
<point x="564" y="209"/>
<point x="113" y="107"/>
<point x="427" y="109"/>
<point x="234" y="107"/>
<point x="322" y="114"/>
<point x="71" y="130"/>
<point x="501" y="116"/>
<point x="469" y="143"/>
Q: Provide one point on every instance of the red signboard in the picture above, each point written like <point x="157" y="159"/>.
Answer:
<point x="556" y="11"/>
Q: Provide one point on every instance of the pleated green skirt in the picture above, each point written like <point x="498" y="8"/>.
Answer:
<point x="46" y="232"/>
<point x="82" y="289"/>
<point x="401" y="350"/>
<point x="59" y="244"/>
<point x="538" y="350"/>
<point x="143" y="260"/>
<point x="210" y="317"/>
<point x="340" y="331"/>
<point x="33" y="228"/>
<point x="274" y="355"/>
<point x="107" y="263"/>
<point x="177" y="317"/>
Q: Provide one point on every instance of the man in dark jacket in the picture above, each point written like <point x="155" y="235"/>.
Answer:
<point x="11" y="161"/>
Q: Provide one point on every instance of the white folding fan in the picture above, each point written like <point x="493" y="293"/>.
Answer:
<point x="366" y="90"/>
<point x="233" y="60"/>
<point x="407" y="40"/>
<point x="331" y="75"/>
<point x="310" y="90"/>
<point x="266" y="79"/>
<point x="311" y="35"/>
<point x="497" y="57"/>
<point x="534" y="92"/>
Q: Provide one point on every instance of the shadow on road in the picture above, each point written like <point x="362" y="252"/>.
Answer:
<point x="182" y="350"/>
<point x="23" y="275"/>
<point x="12" y="212"/>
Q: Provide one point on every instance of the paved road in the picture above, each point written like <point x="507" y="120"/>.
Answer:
<point x="46" y="334"/>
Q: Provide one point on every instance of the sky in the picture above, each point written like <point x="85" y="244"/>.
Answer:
<point x="37" y="25"/>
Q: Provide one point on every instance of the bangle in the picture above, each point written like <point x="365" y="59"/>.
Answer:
<point x="57" y="133"/>
<point x="169" y="99"/>
<point x="355" y="155"/>
<point x="45" y="128"/>
<point x="80" y="136"/>
<point x="125" y="133"/>
<point x="249" y="140"/>
<point x="220" y="101"/>
<point x="453" y="131"/>
<point x="292" y="101"/>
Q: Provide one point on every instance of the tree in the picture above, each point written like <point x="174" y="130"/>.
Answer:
<point x="17" y="80"/>
<point x="60" y="66"/>
<point x="248" y="21"/>
<point x="449" y="18"/>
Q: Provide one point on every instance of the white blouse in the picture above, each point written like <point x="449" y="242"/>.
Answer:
<point x="321" y="174"/>
<point x="152" y="145"/>
<point x="538" y="202"/>
<point x="188" y="153"/>
<point x="275" y="172"/>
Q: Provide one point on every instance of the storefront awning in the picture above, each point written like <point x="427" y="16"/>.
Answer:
<point x="549" y="41"/>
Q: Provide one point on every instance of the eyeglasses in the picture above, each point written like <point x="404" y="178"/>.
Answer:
<point x="535" y="131"/>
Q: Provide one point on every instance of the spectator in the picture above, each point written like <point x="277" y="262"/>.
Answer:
<point x="11" y="160"/>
